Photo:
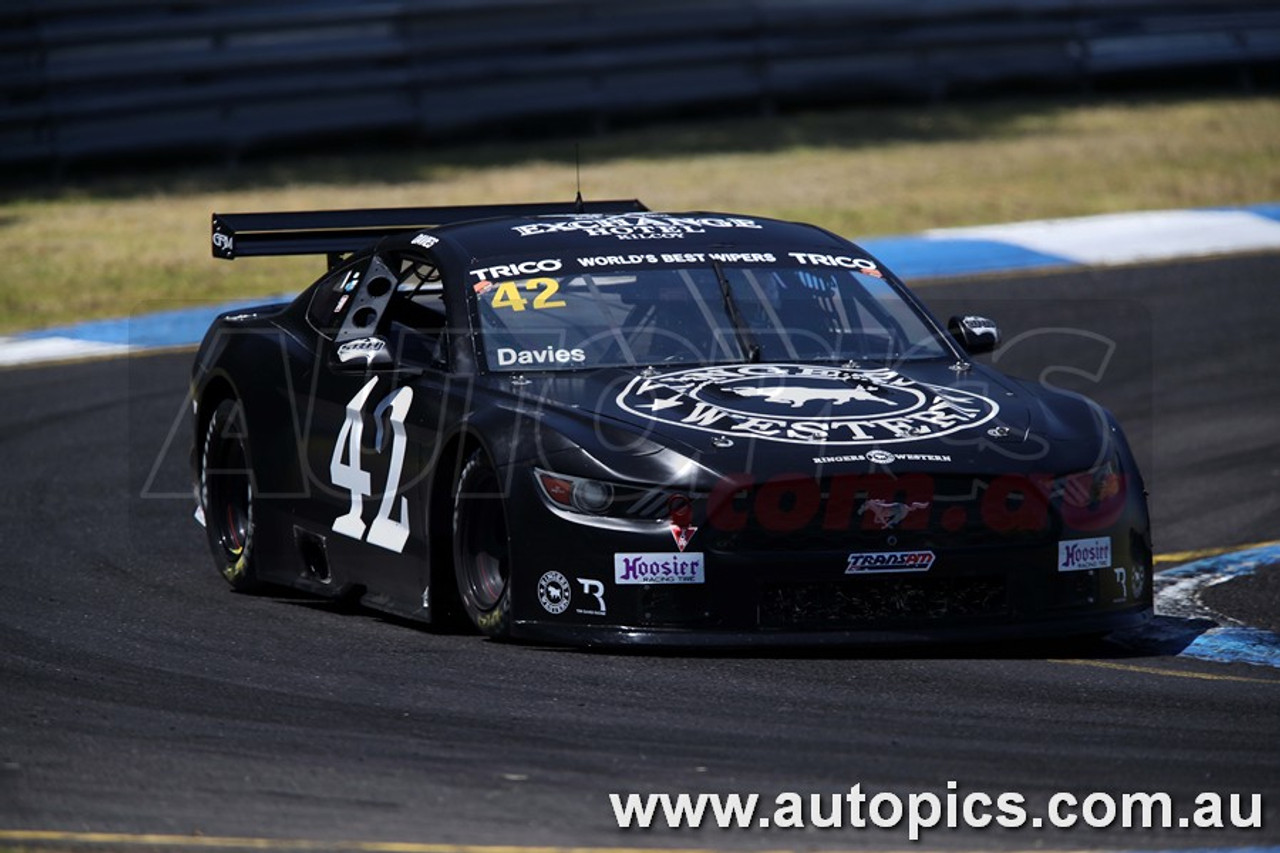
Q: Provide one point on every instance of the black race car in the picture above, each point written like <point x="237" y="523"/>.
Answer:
<point x="591" y="423"/>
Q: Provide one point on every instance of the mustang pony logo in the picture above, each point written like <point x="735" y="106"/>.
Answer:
<point x="797" y="397"/>
<point x="888" y="514"/>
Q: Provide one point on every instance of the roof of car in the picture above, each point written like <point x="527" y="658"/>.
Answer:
<point x="630" y="233"/>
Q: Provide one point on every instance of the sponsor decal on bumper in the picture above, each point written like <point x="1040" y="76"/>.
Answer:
<point x="554" y="593"/>
<point x="889" y="561"/>
<point x="688" y="567"/>
<point x="1078" y="555"/>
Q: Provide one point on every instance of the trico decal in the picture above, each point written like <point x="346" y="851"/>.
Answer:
<point x="595" y="589"/>
<point x="635" y="226"/>
<point x="862" y="265"/>
<point x="547" y="355"/>
<point x="365" y="348"/>
<point x="888" y="514"/>
<point x="554" y="593"/>
<point x="889" y="561"/>
<point x="801" y="404"/>
<point x="659" y="568"/>
<point x="517" y="270"/>
<point x="1080" y="555"/>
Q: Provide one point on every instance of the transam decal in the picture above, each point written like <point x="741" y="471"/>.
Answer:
<point x="889" y="561"/>
<point x="687" y="567"/>
<point x="638" y="226"/>
<point x="801" y="404"/>
<point x="1080" y="555"/>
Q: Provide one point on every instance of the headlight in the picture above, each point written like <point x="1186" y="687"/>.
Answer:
<point x="1089" y="489"/>
<point x="632" y="506"/>
<point x="1093" y="499"/>
<point x="589" y="496"/>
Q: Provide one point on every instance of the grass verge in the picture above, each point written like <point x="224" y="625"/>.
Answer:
<point x="120" y="244"/>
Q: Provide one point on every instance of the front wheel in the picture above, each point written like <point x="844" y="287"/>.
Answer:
<point x="481" y="553"/>
<point x="226" y="495"/>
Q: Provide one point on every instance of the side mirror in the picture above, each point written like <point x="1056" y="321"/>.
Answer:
<point x="364" y="353"/>
<point x="976" y="334"/>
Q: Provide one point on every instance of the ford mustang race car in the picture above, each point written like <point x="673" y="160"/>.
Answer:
<point x="596" y="424"/>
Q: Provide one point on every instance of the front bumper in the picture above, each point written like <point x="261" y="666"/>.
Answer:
<point x="770" y="595"/>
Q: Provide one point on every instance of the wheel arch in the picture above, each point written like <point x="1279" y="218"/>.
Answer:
<point x="219" y="387"/>
<point x="446" y="606"/>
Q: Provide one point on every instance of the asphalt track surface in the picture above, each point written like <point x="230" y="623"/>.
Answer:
<point x="139" y="695"/>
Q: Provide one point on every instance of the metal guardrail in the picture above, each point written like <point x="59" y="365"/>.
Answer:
<point x="86" y="78"/>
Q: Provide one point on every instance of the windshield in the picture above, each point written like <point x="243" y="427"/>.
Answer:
<point x="699" y="315"/>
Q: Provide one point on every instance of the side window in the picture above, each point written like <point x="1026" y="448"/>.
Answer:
<point x="417" y="327"/>
<point x="332" y="296"/>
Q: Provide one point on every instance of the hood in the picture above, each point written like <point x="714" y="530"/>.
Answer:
<point x="773" y="419"/>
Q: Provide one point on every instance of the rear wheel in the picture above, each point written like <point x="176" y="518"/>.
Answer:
<point x="226" y="495"/>
<point x="481" y="554"/>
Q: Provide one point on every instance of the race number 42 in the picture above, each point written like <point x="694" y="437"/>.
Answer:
<point x="345" y="471"/>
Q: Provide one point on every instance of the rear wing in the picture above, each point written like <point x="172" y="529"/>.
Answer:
<point x="336" y="232"/>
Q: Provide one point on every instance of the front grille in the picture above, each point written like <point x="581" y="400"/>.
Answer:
<point x="872" y="602"/>
<point x="948" y="511"/>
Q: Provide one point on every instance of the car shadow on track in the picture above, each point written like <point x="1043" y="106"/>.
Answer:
<point x="1163" y="636"/>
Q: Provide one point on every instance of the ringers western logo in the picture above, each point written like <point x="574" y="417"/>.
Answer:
<point x="802" y="404"/>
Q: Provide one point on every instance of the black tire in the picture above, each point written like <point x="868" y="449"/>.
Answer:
<point x="226" y="495"/>
<point x="481" y="552"/>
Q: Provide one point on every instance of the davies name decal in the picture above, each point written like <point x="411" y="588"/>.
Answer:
<point x="802" y="404"/>
<point x="548" y="355"/>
